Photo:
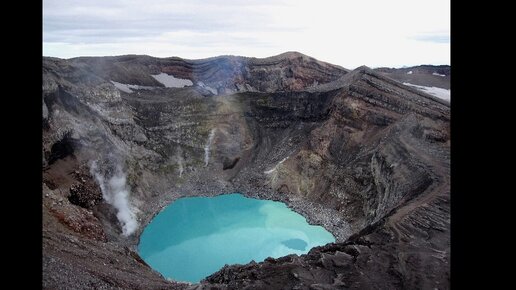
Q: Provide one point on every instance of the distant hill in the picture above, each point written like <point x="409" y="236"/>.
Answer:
<point x="421" y="75"/>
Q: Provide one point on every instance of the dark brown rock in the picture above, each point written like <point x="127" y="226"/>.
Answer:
<point x="228" y="163"/>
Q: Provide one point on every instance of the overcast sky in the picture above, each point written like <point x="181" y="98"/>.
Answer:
<point x="349" y="33"/>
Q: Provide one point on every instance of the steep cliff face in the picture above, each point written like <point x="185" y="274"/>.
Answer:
<point x="357" y="152"/>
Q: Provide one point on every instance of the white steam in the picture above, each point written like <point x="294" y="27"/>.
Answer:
<point x="116" y="193"/>
<point x="207" y="147"/>
<point x="276" y="166"/>
<point x="180" y="161"/>
<point x="181" y="169"/>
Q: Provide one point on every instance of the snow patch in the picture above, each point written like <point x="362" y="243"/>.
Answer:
<point x="409" y="73"/>
<point x="171" y="82"/>
<point x="436" y="74"/>
<point x="127" y="88"/>
<point x="434" y="91"/>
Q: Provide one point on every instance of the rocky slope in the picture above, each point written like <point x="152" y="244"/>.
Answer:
<point x="357" y="152"/>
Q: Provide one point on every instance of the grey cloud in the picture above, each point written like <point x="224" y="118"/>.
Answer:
<point x="98" y="22"/>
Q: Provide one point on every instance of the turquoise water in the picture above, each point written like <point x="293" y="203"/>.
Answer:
<point x="195" y="236"/>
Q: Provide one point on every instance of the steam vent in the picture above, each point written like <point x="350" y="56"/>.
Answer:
<point x="232" y="172"/>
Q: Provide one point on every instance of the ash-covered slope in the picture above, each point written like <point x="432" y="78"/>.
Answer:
<point x="359" y="153"/>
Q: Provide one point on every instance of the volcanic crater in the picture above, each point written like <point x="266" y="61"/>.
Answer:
<point x="354" y="151"/>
